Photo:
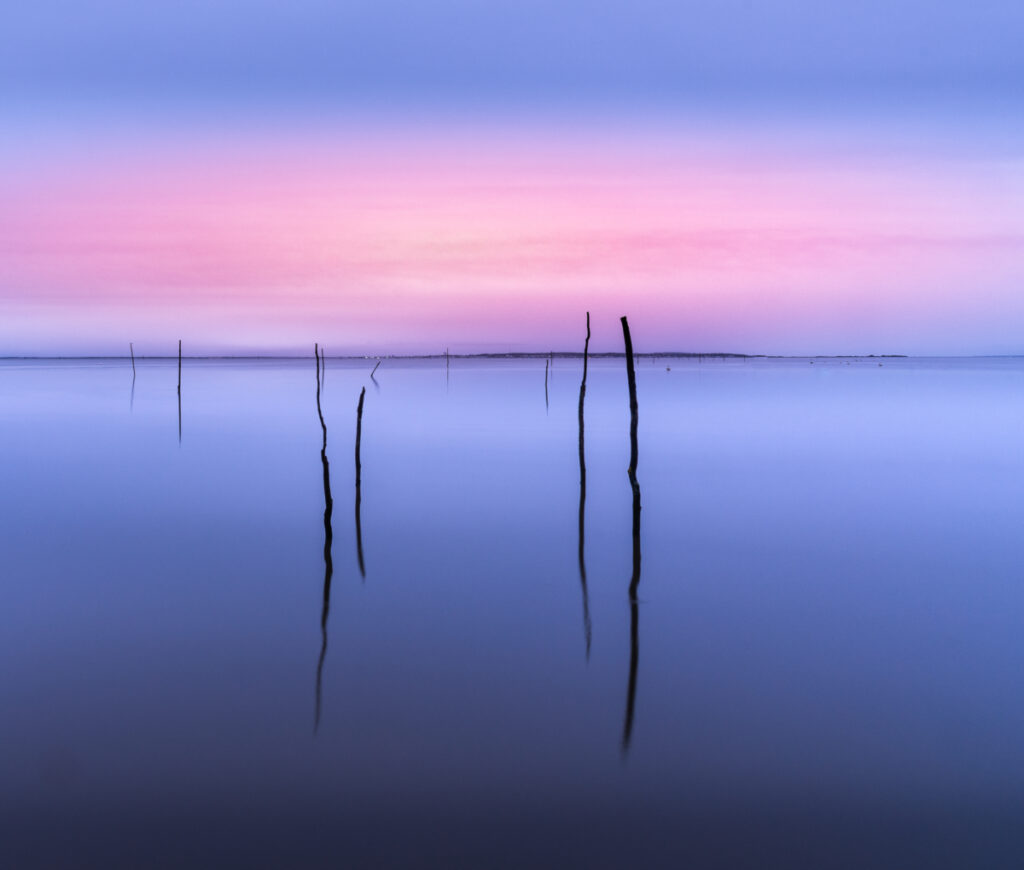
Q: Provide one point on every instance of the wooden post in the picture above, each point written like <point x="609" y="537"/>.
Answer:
<point x="631" y="377"/>
<point x="583" y="496"/>
<point x="634" y="581"/>
<point x="131" y="349"/>
<point x="328" y="542"/>
<point x="359" y="470"/>
<point x="179" y="391"/>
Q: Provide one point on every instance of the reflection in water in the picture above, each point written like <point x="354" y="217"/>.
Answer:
<point x="583" y="495"/>
<point x="328" y="541"/>
<point x="634" y="582"/>
<point x="359" y="468"/>
<point x="547" y="364"/>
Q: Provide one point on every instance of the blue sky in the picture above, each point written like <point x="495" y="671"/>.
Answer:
<point x="648" y="53"/>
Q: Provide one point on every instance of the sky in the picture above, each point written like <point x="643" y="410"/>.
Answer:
<point x="764" y="177"/>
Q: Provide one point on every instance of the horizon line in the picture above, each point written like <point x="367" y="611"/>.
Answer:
<point x="674" y="354"/>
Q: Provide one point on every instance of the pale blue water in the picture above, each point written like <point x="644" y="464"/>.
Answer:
<point x="830" y="655"/>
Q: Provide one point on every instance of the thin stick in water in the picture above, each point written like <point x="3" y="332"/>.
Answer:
<point x="583" y="496"/>
<point x="359" y="469"/>
<point x="328" y="541"/>
<point x="634" y="582"/>
<point x="179" y="391"/>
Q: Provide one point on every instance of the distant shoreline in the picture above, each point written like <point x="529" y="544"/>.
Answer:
<point x="669" y="354"/>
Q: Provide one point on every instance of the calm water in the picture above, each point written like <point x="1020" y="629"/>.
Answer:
<point x="826" y="659"/>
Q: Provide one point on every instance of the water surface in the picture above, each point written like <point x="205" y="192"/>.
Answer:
<point x="825" y="668"/>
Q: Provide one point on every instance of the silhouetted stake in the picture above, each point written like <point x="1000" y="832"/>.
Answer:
<point x="375" y="369"/>
<point x="131" y="348"/>
<point x="547" y="363"/>
<point x="634" y="582"/>
<point x="631" y="378"/>
<point x="179" y="391"/>
<point x="328" y="541"/>
<point x="359" y="469"/>
<point x="583" y="496"/>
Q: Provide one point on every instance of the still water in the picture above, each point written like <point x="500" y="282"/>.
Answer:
<point x="824" y="665"/>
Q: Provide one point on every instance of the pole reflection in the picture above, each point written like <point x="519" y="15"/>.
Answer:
<point x="328" y="542"/>
<point x="583" y="497"/>
<point x="634" y="581"/>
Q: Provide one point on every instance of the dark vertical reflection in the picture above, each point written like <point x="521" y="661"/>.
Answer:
<point x="359" y="469"/>
<point x="328" y="541"/>
<point x="634" y="659"/>
<point x="634" y="582"/>
<point x="547" y="364"/>
<point x="583" y="495"/>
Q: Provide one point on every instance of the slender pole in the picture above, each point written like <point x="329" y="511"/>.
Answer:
<point x="631" y="377"/>
<point x="547" y="364"/>
<point x="359" y="470"/>
<point x="328" y="541"/>
<point x="583" y="496"/>
<point x="634" y="581"/>
<point x="131" y="348"/>
<point x="179" y="391"/>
